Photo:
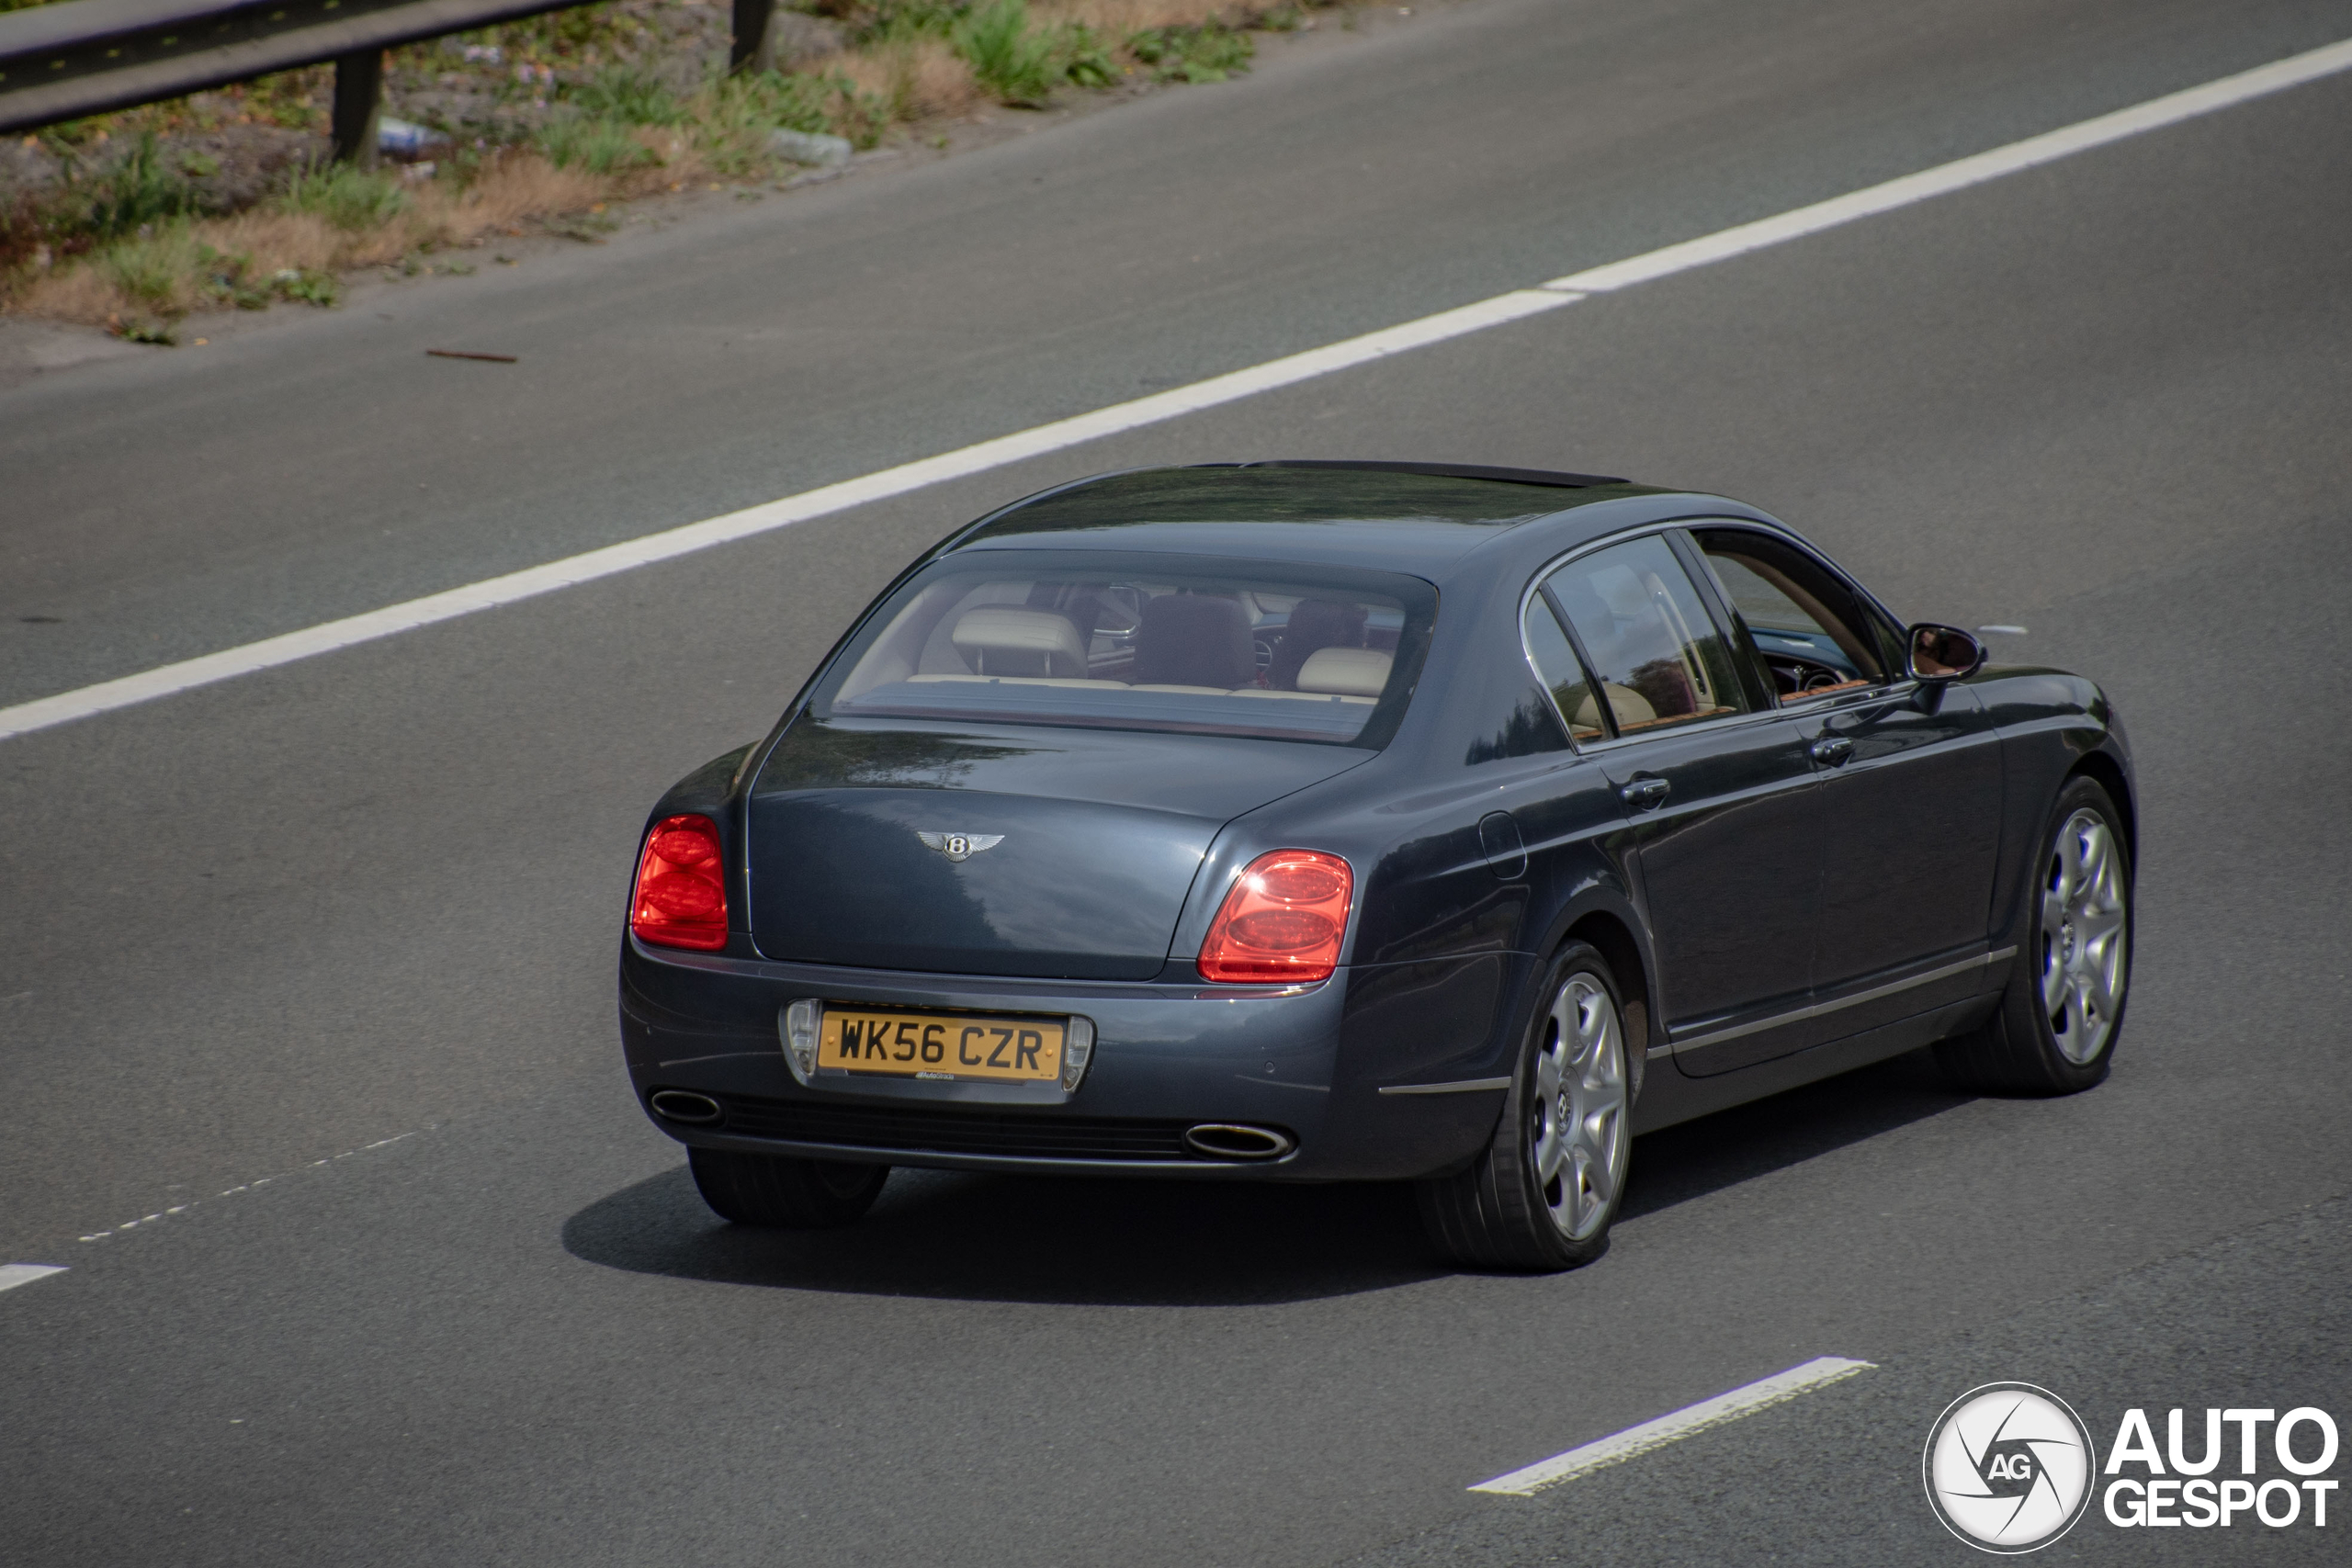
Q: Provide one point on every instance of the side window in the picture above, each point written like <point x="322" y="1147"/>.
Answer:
<point x="1563" y="675"/>
<point x="1647" y="636"/>
<point x="1807" y="629"/>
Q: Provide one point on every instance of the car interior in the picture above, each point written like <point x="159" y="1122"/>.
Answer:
<point x="1149" y="645"/>
<point x="1641" y="627"/>
<point x="1801" y="622"/>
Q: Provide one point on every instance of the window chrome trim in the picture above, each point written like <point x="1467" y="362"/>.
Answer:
<point x="1463" y="1086"/>
<point x="1830" y="702"/>
<point x="1821" y="1010"/>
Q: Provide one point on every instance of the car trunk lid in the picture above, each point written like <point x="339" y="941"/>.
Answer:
<point x="1036" y="853"/>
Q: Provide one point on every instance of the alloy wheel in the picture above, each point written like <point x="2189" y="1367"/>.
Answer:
<point x="2085" y="933"/>
<point x="1577" y="1135"/>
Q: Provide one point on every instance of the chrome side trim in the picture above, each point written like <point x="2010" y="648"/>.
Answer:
<point x="1463" y="1086"/>
<point x="1820" y="1009"/>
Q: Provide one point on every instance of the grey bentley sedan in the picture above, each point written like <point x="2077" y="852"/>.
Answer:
<point x="1324" y="821"/>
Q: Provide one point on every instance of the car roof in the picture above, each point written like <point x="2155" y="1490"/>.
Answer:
<point x="1414" y="517"/>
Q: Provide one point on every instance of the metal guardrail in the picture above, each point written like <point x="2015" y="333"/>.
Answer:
<point x="84" y="57"/>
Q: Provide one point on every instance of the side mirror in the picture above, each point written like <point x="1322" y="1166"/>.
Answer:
<point x="1943" y="653"/>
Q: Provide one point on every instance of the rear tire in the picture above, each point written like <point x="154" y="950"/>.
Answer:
<point x="1545" y="1192"/>
<point x="2062" y="1008"/>
<point x="779" y="1193"/>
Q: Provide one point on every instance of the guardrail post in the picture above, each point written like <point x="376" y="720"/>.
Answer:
<point x="358" y="103"/>
<point x="754" y="46"/>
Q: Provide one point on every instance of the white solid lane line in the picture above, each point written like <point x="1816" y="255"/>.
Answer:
<point x="1640" y="1440"/>
<point x="46" y="713"/>
<point x="1959" y="175"/>
<point x="15" y="1274"/>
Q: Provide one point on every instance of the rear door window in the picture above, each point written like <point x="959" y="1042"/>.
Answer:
<point x="1646" y="636"/>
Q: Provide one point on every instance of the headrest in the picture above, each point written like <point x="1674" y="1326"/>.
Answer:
<point x="1313" y="624"/>
<point x="1195" y="639"/>
<point x="1345" y="672"/>
<point x="1631" y="707"/>
<point x="997" y="639"/>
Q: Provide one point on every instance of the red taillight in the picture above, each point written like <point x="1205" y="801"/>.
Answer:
<point x="1282" y="921"/>
<point x="681" y="894"/>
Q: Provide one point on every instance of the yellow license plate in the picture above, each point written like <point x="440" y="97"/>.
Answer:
<point x="934" y="1045"/>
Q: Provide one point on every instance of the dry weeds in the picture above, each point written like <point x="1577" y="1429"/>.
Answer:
<point x="1122" y="18"/>
<point x="167" y="274"/>
<point x="511" y="191"/>
<point x="919" y="78"/>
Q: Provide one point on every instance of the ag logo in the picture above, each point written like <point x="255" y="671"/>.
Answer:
<point x="2008" y="1468"/>
<point x="960" y="846"/>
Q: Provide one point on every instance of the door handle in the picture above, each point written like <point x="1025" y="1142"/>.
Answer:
<point x="1643" y="795"/>
<point x="1832" y="751"/>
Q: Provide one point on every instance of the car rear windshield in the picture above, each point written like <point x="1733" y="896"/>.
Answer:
<point x="1132" y="641"/>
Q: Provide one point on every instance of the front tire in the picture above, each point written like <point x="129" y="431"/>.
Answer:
<point x="1546" y="1189"/>
<point x="2062" y="1008"/>
<point x="774" y="1191"/>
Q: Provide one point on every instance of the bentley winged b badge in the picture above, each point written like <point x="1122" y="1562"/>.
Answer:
<point x="960" y="846"/>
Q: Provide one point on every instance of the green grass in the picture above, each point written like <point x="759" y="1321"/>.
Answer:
<point x="734" y="114"/>
<point x="1009" y="58"/>
<point x="629" y="97"/>
<point x="599" y="146"/>
<point x="307" y="286"/>
<point x="149" y="269"/>
<point x="882" y="21"/>
<point x="137" y="191"/>
<point x="353" y="199"/>
<point x="226" y="279"/>
<point x="1084" y="62"/>
<point x="1020" y="63"/>
<point x="1209" y="52"/>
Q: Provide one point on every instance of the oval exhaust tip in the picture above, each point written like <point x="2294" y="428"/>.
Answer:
<point x="1228" y="1140"/>
<point x="682" y="1105"/>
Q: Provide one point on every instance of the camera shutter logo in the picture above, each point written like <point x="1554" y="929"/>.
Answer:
<point x="2008" y="1468"/>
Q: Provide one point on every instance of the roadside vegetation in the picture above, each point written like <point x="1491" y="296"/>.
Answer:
<point x="225" y="200"/>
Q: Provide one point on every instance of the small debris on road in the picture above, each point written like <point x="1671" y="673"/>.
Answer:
<point x="469" y="353"/>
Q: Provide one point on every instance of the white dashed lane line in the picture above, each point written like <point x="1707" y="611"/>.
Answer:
<point x="258" y="1182"/>
<point x="2172" y="108"/>
<point x="1761" y="1395"/>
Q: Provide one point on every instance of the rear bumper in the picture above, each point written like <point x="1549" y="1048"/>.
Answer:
<point x="1166" y="1057"/>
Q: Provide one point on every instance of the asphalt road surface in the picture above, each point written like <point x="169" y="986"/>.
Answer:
<point x="349" y="925"/>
